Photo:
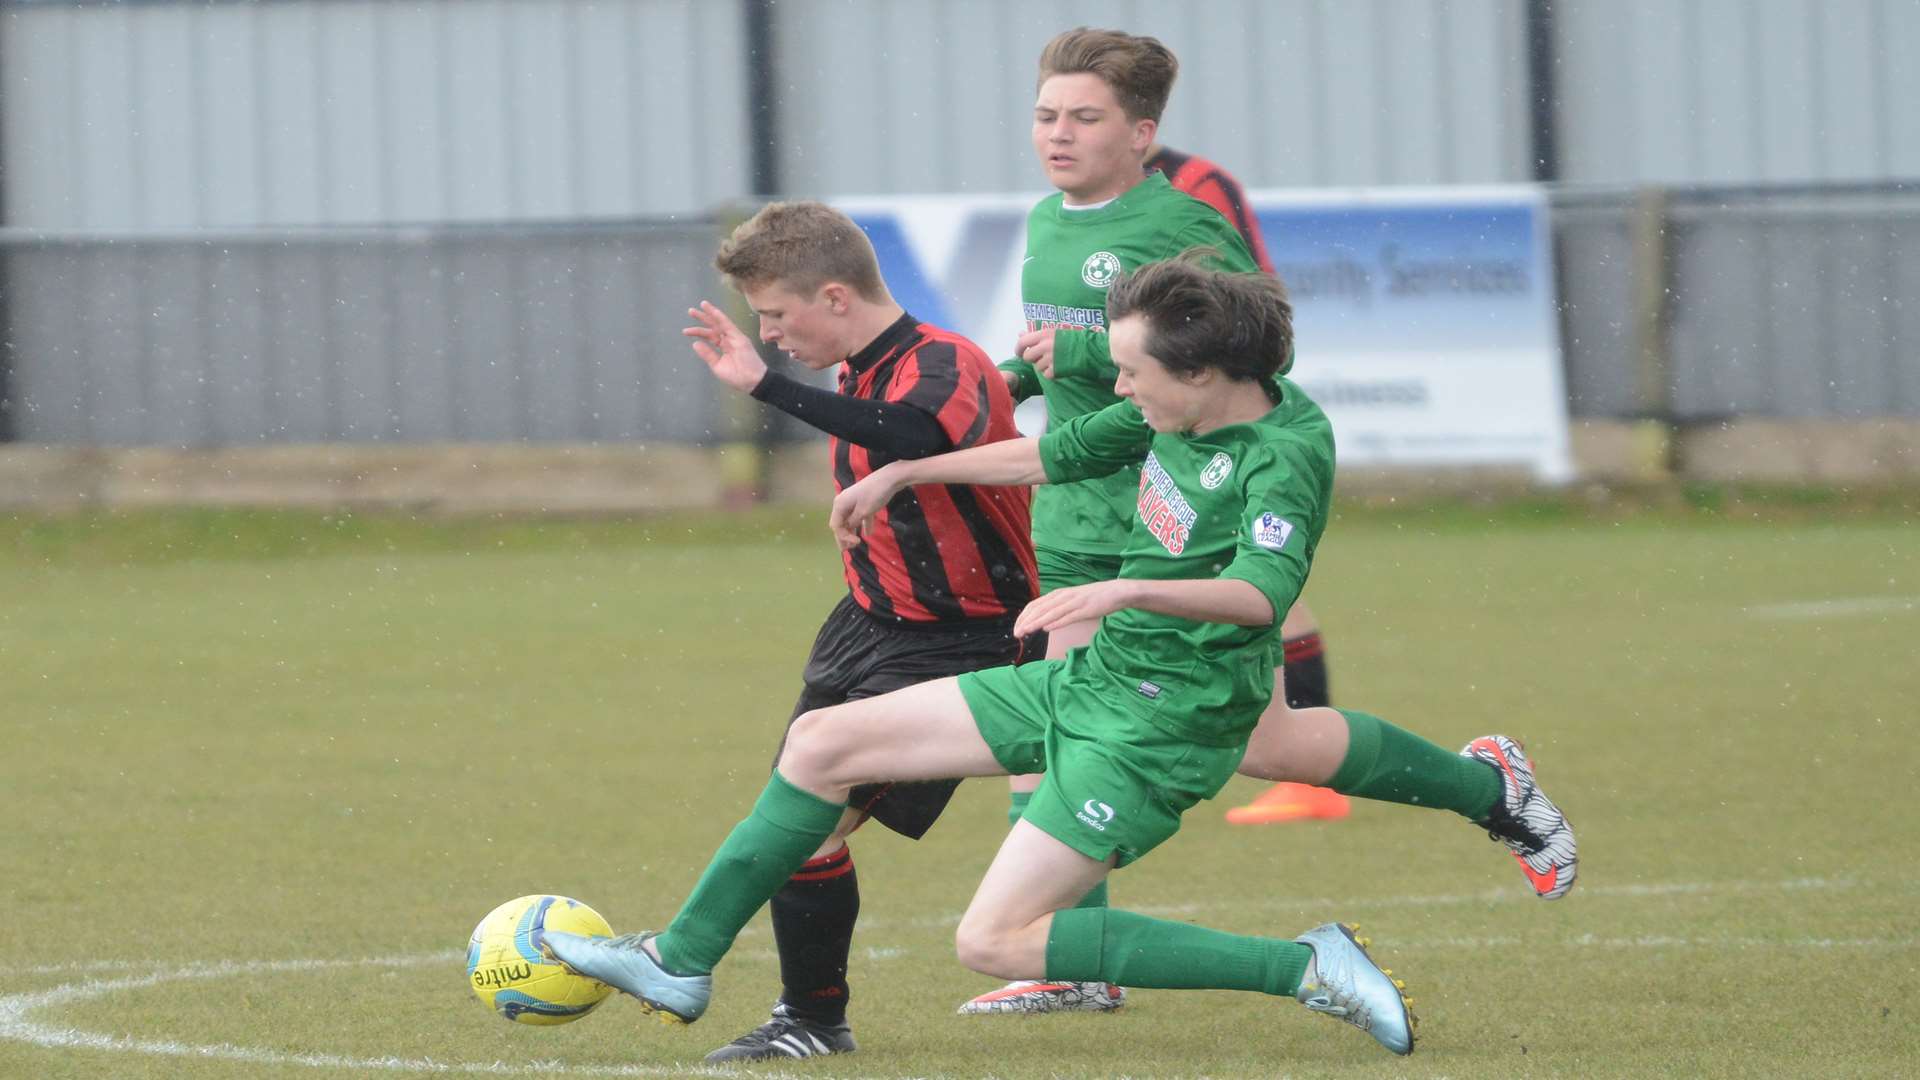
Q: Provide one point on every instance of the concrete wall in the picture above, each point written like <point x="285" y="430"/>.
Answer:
<point x="465" y="479"/>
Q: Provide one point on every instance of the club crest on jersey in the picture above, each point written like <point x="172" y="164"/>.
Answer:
<point x="1100" y="269"/>
<point x="1216" y="471"/>
<point x="1271" y="531"/>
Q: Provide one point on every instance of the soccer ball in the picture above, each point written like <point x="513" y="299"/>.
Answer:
<point x="507" y="969"/>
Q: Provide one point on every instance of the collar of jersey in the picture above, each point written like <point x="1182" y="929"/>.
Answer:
<point x="903" y="330"/>
<point x="1118" y="204"/>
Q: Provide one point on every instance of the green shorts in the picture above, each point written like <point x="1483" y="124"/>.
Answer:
<point x="1116" y="785"/>
<point x="1059" y="569"/>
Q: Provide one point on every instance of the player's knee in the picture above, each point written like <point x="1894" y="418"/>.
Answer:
<point x="814" y="747"/>
<point x="979" y="947"/>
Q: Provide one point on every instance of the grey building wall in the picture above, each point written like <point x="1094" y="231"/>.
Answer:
<point x="157" y="116"/>
<point x="169" y="115"/>
<point x="930" y="96"/>
<point x="1738" y="91"/>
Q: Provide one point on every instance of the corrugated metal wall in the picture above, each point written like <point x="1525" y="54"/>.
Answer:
<point x="1738" y="91"/>
<point x="131" y="117"/>
<point x="920" y="95"/>
<point x="179" y="115"/>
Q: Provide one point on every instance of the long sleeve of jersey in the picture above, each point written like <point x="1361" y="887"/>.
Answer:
<point x="1096" y="444"/>
<point x="891" y="427"/>
<point x="1027" y="380"/>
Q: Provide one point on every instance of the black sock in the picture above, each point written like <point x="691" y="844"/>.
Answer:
<point x="813" y="916"/>
<point x="1306" y="672"/>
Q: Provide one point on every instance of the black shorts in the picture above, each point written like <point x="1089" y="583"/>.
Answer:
<point x="857" y="656"/>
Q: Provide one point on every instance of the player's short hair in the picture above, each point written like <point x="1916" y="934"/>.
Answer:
<point x="1197" y="317"/>
<point x="1139" y="69"/>
<point x="801" y="245"/>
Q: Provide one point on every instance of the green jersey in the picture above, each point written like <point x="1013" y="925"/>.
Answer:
<point x="1247" y="501"/>
<point x="1071" y="258"/>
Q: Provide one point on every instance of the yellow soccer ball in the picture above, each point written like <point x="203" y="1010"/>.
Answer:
<point x="508" y="971"/>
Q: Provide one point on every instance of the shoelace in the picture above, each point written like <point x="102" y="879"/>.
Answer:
<point x="1340" y="1004"/>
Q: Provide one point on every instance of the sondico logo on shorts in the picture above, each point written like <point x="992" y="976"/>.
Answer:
<point x="1100" y="269"/>
<point x="1216" y="471"/>
<point x="1096" y="814"/>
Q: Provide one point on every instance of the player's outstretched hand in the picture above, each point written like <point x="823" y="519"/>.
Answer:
<point x="1073" y="604"/>
<point x="854" y="507"/>
<point x="725" y="348"/>
<point x="1036" y="348"/>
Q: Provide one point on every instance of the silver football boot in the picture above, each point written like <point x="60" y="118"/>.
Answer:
<point x="1346" y="984"/>
<point x="624" y="964"/>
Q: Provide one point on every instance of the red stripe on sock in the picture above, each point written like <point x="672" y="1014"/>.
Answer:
<point x="1305" y="647"/>
<point x="826" y="867"/>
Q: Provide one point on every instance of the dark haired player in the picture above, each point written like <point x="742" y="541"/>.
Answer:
<point x="1304" y="653"/>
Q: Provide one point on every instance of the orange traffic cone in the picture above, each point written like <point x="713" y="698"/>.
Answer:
<point x="1291" y="802"/>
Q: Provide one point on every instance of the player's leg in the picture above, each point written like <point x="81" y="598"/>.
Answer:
<point x="1059" y="643"/>
<point x="1306" y="683"/>
<point x="921" y="732"/>
<point x="1490" y="782"/>
<point x="1057" y="570"/>
<point x="1018" y="926"/>
<point x="816" y="908"/>
<point x="1306" y="658"/>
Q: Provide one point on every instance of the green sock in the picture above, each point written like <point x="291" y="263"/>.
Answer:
<point x="1393" y="765"/>
<point x="1133" y="950"/>
<point x="1017" y="805"/>
<point x="787" y="825"/>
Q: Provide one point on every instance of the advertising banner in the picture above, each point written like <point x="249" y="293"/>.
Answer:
<point x="1425" y="317"/>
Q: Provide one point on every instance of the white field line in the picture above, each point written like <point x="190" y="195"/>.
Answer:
<point x="1820" y="609"/>
<point x="16" y="1009"/>
<point x="16" y="1026"/>
<point x="1337" y="906"/>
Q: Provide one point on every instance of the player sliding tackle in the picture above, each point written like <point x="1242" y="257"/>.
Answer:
<point x="1148" y="720"/>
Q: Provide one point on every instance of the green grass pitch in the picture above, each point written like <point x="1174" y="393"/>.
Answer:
<point x="263" y="773"/>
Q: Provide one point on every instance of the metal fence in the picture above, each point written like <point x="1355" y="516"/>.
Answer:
<point x="408" y="335"/>
<point x="1687" y="305"/>
<point x="1697" y="305"/>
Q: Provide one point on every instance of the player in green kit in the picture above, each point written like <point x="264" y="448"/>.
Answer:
<point x="1096" y="112"/>
<point x="1234" y="471"/>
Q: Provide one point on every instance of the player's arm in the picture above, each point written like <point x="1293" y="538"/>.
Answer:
<point x="1280" y="524"/>
<point x="1008" y="463"/>
<point x="1077" y="354"/>
<point x="895" y="429"/>
<point x="1023" y="381"/>
<point x="1220" y="600"/>
<point x="891" y="427"/>
<point x="1092" y="445"/>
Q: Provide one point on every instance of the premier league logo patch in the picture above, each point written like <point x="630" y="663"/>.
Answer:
<point x="1100" y="269"/>
<point x="1271" y="531"/>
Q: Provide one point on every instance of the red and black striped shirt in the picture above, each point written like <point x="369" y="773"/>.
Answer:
<point x="939" y="552"/>
<point x="1216" y="187"/>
